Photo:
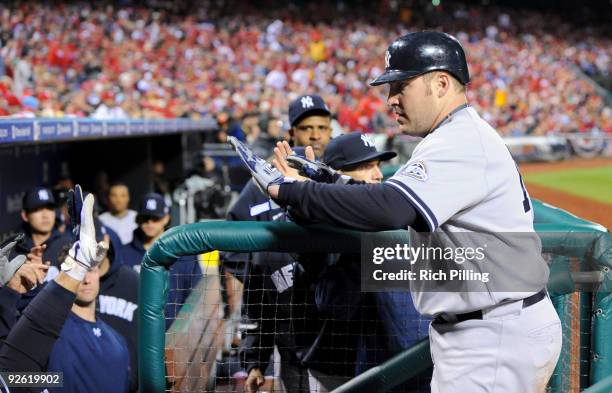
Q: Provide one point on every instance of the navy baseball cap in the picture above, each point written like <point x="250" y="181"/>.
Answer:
<point x="37" y="198"/>
<point x="153" y="205"/>
<point x="310" y="105"/>
<point x="352" y="149"/>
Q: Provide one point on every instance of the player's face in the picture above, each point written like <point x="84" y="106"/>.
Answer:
<point x="414" y="105"/>
<point x="153" y="227"/>
<point x="89" y="288"/>
<point x="368" y="172"/>
<point x="119" y="198"/>
<point x="41" y="220"/>
<point x="313" y="131"/>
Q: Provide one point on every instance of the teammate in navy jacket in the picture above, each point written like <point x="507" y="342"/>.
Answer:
<point x="86" y="342"/>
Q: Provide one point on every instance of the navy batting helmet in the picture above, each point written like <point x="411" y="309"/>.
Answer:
<point x="422" y="52"/>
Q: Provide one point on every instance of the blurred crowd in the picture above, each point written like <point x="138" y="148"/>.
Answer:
<point x="231" y="59"/>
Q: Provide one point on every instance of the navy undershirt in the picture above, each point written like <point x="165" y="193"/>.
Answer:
<point x="367" y="207"/>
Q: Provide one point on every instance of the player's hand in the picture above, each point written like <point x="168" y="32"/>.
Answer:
<point x="85" y="253"/>
<point x="254" y="381"/>
<point x="264" y="174"/>
<point x="36" y="254"/>
<point x="286" y="150"/>
<point x="28" y="276"/>
<point x="281" y="152"/>
<point x="8" y="268"/>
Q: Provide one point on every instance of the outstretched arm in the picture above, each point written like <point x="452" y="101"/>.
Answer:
<point x="370" y="207"/>
<point x="367" y="207"/>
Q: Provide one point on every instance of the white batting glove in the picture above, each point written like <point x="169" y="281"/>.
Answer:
<point x="264" y="174"/>
<point x="8" y="268"/>
<point x="85" y="253"/>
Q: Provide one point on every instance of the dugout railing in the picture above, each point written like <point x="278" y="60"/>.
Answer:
<point x="580" y="254"/>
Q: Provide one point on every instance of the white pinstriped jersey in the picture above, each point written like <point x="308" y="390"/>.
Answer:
<point x="462" y="178"/>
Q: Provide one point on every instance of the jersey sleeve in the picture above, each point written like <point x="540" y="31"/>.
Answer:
<point x="442" y="179"/>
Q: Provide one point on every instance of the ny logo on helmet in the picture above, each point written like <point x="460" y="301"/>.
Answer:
<point x="307" y="102"/>
<point x="387" y="59"/>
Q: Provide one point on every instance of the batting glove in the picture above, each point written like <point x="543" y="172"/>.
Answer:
<point x="316" y="171"/>
<point x="85" y="253"/>
<point x="75" y="205"/>
<point x="8" y="268"/>
<point x="263" y="173"/>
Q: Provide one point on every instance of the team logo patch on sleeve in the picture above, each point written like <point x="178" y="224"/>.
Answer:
<point x="416" y="170"/>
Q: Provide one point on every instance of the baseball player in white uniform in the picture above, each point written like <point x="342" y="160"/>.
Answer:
<point x="502" y="336"/>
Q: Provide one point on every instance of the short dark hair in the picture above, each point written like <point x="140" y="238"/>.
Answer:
<point x="117" y="184"/>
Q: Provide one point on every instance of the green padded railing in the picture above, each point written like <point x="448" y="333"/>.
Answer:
<point x="203" y="237"/>
<point x="567" y="236"/>
<point x="592" y="244"/>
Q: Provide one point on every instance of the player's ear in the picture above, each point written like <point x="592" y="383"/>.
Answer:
<point x="24" y="216"/>
<point x="443" y="83"/>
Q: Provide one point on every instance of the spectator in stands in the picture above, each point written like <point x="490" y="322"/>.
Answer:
<point x="38" y="215"/>
<point x="109" y="109"/>
<point x="153" y="217"/>
<point x="268" y="58"/>
<point x="119" y="218"/>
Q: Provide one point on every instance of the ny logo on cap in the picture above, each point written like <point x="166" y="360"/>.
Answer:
<point x="367" y="141"/>
<point x="307" y="102"/>
<point x="387" y="59"/>
<point x="151" y="204"/>
<point x="43" y="195"/>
